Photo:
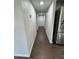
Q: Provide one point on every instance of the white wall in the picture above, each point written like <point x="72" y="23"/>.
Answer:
<point x="20" y="43"/>
<point x="30" y="23"/>
<point x="25" y="28"/>
<point x="49" y="23"/>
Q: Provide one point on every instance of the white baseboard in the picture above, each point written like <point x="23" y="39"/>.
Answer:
<point x="21" y="55"/>
<point x="50" y="42"/>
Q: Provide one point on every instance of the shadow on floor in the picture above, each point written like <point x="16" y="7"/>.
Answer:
<point x="42" y="49"/>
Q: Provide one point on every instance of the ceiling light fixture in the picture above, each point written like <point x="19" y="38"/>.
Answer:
<point x="41" y="3"/>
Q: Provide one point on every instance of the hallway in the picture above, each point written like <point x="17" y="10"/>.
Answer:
<point x="42" y="49"/>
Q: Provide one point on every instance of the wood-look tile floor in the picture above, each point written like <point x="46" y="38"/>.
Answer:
<point x="42" y="49"/>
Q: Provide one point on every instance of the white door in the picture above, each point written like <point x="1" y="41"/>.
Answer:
<point x="40" y="20"/>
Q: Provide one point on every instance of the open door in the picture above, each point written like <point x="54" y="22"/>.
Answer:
<point x="56" y="23"/>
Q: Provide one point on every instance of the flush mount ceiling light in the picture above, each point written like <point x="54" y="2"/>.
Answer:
<point x="41" y="3"/>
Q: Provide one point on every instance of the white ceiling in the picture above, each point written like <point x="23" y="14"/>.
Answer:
<point x="38" y="7"/>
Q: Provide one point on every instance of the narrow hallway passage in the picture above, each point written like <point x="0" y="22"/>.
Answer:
<point x="30" y="43"/>
<point x="42" y="49"/>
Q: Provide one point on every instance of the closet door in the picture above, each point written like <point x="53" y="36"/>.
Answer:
<point x="60" y="35"/>
<point x="40" y="20"/>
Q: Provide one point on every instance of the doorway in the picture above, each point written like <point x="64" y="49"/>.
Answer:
<point x="56" y="23"/>
<point x="40" y="20"/>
